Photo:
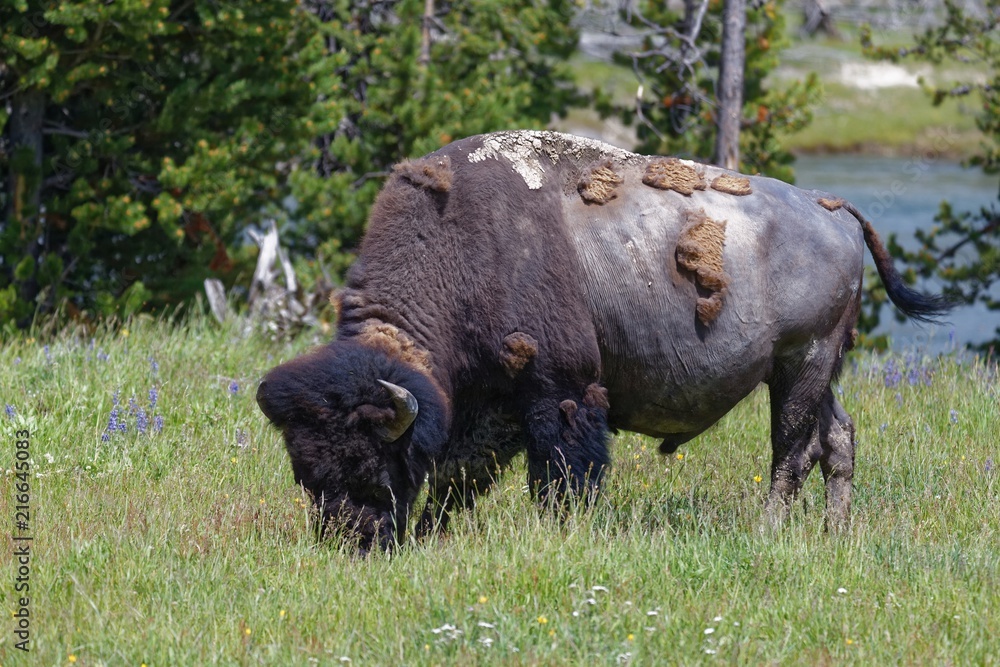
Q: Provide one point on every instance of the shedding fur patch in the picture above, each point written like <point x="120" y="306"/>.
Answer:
<point x="734" y="185"/>
<point x="852" y="340"/>
<point x="599" y="183"/>
<point x="431" y="173"/>
<point x="671" y="174"/>
<point x="518" y="349"/>
<point x="596" y="396"/>
<point x="830" y="204"/>
<point x="569" y="409"/>
<point x="394" y="343"/>
<point x="699" y="251"/>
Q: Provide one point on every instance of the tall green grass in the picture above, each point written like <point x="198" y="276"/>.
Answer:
<point x="192" y="546"/>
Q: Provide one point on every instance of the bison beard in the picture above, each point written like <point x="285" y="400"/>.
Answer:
<point x="530" y="291"/>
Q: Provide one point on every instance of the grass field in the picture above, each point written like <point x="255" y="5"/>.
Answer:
<point x="190" y="545"/>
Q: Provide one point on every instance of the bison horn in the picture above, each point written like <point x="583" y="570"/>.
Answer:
<point x="406" y="411"/>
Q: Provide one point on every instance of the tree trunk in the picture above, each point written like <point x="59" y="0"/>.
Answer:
<point x="730" y="91"/>
<point x="25" y="180"/>
<point x="425" y="44"/>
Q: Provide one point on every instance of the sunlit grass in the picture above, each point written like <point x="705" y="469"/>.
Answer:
<point x="191" y="545"/>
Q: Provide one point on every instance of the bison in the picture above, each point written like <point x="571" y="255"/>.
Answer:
<point x="531" y="291"/>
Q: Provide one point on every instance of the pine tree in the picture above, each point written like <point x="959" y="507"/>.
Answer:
<point x="140" y="138"/>
<point x="412" y="80"/>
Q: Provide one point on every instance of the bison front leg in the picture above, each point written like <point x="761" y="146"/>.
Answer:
<point x="459" y="491"/>
<point x="567" y="444"/>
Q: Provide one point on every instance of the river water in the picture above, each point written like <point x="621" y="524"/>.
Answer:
<point x="900" y="195"/>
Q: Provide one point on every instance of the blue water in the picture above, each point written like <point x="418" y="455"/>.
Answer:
<point x="900" y="195"/>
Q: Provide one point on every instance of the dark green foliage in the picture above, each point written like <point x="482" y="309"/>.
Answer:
<point x="166" y="129"/>
<point x="169" y="128"/>
<point x="962" y="248"/>
<point x="677" y="111"/>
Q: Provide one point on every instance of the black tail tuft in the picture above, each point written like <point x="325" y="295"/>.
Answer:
<point x="915" y="305"/>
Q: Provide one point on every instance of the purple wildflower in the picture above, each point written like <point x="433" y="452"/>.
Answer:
<point x="154" y="366"/>
<point x="157" y="423"/>
<point x="10" y="411"/>
<point x="141" y="421"/>
<point x="48" y="354"/>
<point x="892" y="374"/>
<point x="154" y="394"/>
<point x="953" y="415"/>
<point x="120" y="423"/>
<point x="102" y="355"/>
<point x="988" y="466"/>
<point x="234" y="387"/>
<point x="113" y="421"/>
<point x="17" y="361"/>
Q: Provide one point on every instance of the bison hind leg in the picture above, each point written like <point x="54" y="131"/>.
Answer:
<point x="801" y="399"/>
<point x="836" y="435"/>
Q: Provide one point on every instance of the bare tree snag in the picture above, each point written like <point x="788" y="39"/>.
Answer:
<point x="730" y="88"/>
<point x="425" y="45"/>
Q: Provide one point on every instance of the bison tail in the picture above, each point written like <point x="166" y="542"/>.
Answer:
<point x="913" y="304"/>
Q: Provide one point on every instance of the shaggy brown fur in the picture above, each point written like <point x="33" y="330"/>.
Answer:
<point x="568" y="409"/>
<point x="596" y="396"/>
<point x="518" y="349"/>
<point x="395" y="344"/>
<point x="699" y="251"/>
<point x="672" y="174"/>
<point x="431" y="173"/>
<point x="830" y="204"/>
<point x="598" y="183"/>
<point x="733" y="185"/>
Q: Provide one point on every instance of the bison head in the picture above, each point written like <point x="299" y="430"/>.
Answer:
<point x="360" y="429"/>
